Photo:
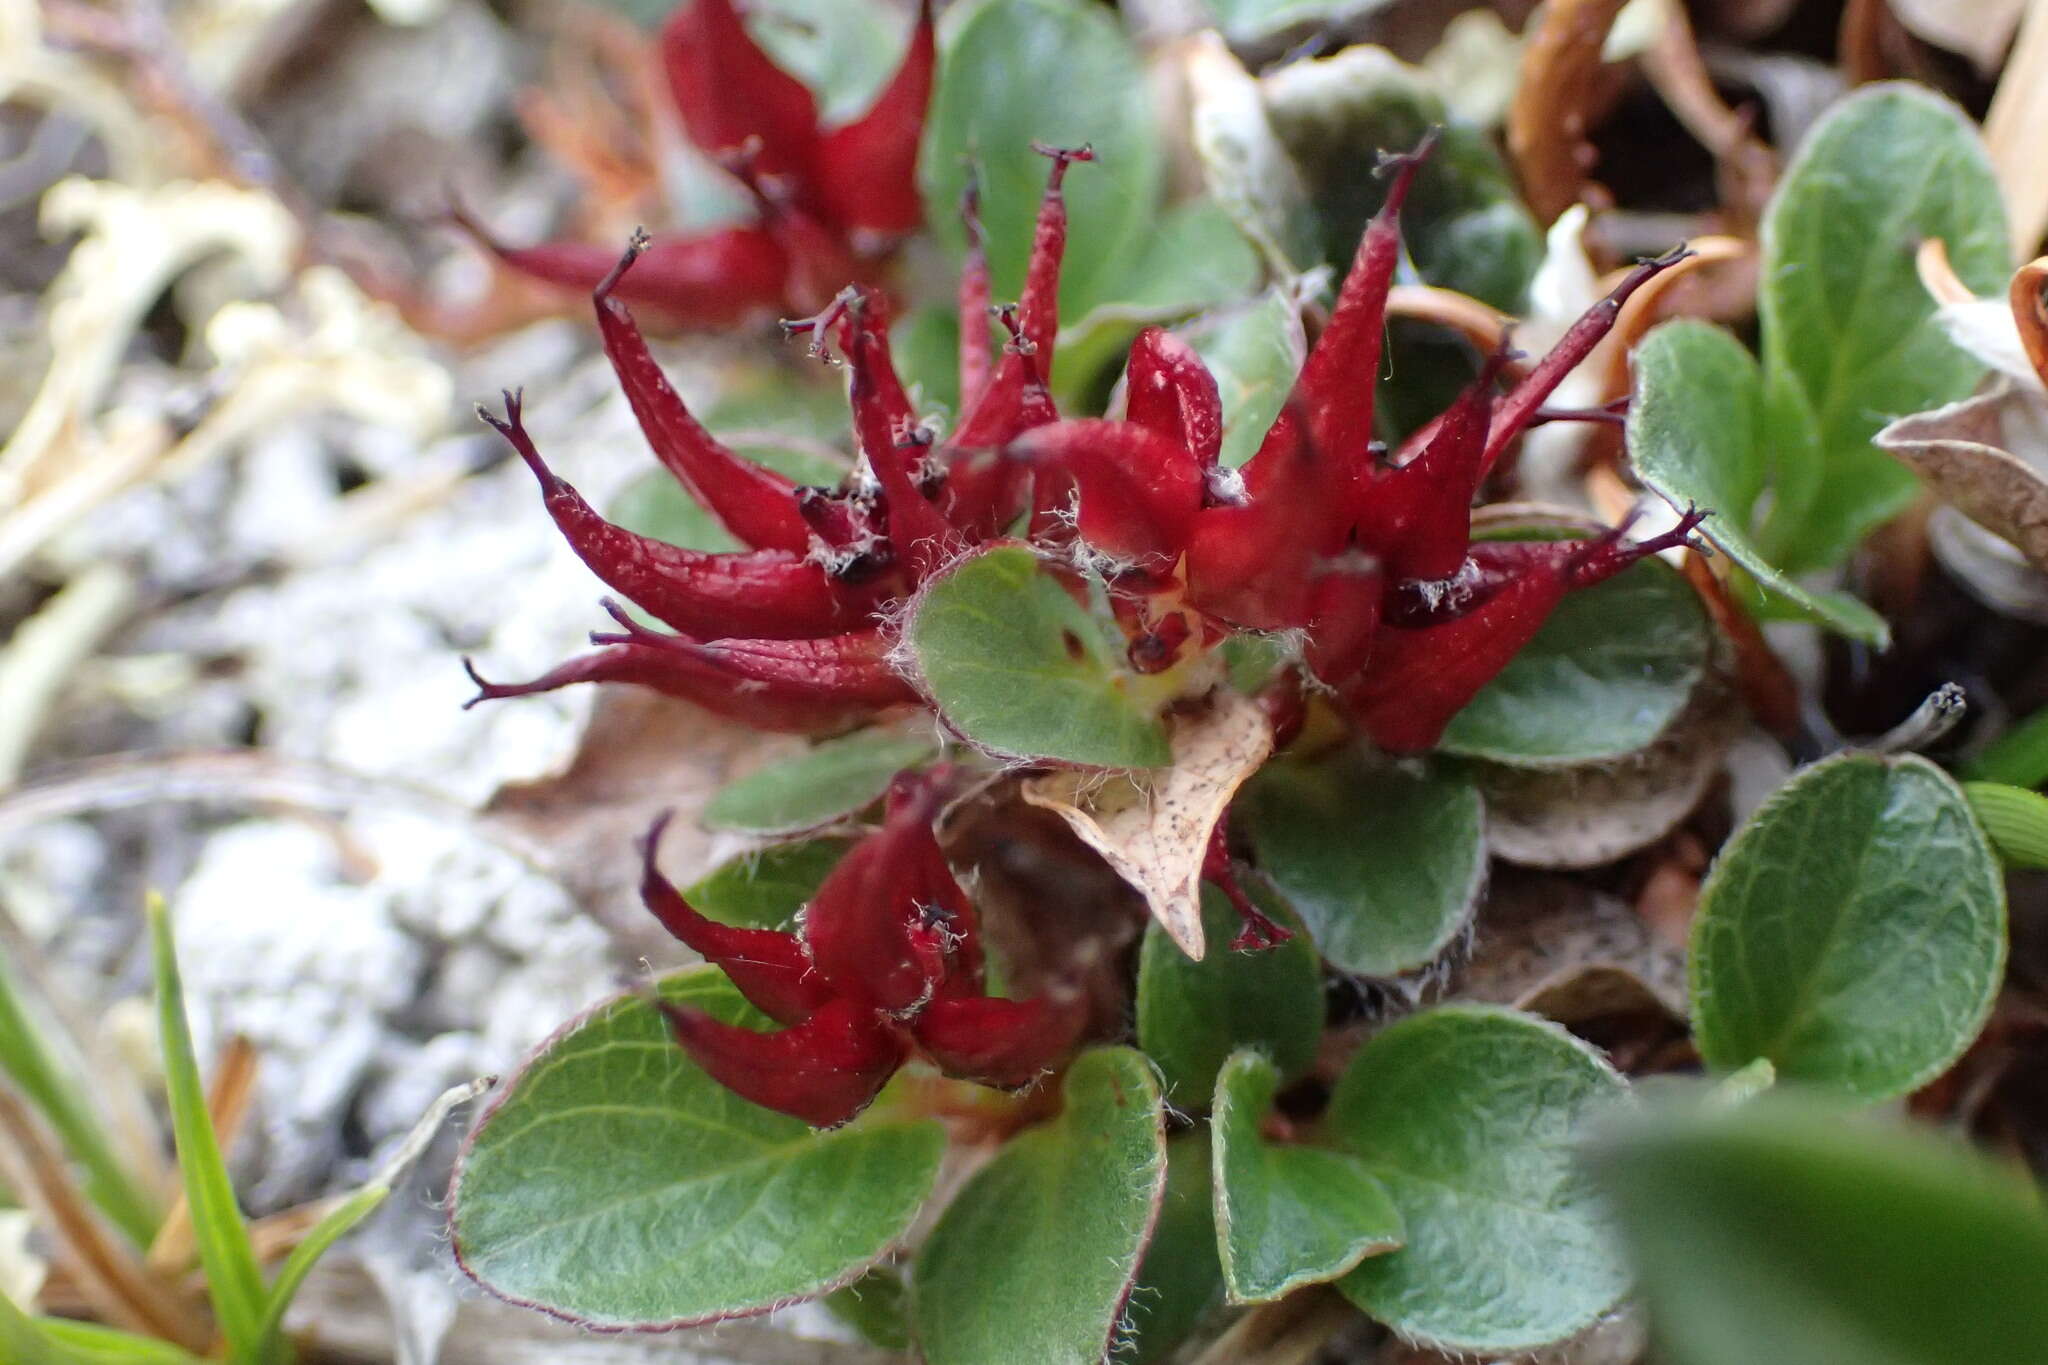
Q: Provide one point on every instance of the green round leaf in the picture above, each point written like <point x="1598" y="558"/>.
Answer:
<point x="844" y="50"/>
<point x="1032" y="1262"/>
<point x="1696" y="435"/>
<point x="1467" y="1115"/>
<point x="615" y="1184"/>
<point x="1003" y="63"/>
<point x="764" y="889"/>
<point x="1255" y="352"/>
<point x="1287" y="1216"/>
<point x="655" y="504"/>
<point x="1192" y="1015"/>
<point x="877" y="1306"/>
<point x="925" y="343"/>
<point x="1791" y="1230"/>
<point x="1021" y="669"/>
<point x="1846" y="323"/>
<point x="1613" y="666"/>
<point x="1245" y="20"/>
<point x="1853" y="932"/>
<point x="1179" y="1280"/>
<point x="1383" y="864"/>
<point x="1464" y="223"/>
<point x="1195" y="258"/>
<point x="830" y="781"/>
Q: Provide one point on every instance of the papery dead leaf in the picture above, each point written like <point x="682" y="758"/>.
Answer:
<point x="1988" y="457"/>
<point x="1590" y="816"/>
<point x="640" y="755"/>
<point x="1549" y="941"/>
<point x="2012" y="132"/>
<point x="1154" y="826"/>
<point x="1978" y="29"/>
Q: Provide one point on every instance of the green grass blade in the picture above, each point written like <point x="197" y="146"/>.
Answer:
<point x="225" y="1252"/>
<point x="20" y="1339"/>
<point x="2016" y="820"/>
<point x="26" y="1340"/>
<point x="346" y="1214"/>
<point x="27" y="1059"/>
<point x="274" y="1349"/>
<point x="88" y="1343"/>
<point x="2018" y="757"/>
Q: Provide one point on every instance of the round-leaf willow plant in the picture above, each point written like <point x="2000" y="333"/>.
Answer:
<point x="1277" y="702"/>
<point x="1355" y="567"/>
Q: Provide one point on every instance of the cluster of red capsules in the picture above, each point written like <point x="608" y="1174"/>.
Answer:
<point x="1402" y="617"/>
<point x="832" y="203"/>
<point x="886" y="963"/>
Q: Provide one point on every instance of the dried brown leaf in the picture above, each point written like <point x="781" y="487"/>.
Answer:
<point x="1592" y="815"/>
<point x="2012" y="132"/>
<point x="1153" y="826"/>
<point x="1542" y="933"/>
<point x="1964" y="452"/>
<point x="641" y="754"/>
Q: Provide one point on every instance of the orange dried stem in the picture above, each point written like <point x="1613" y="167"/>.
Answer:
<point x="1547" y="121"/>
<point x="2029" y="294"/>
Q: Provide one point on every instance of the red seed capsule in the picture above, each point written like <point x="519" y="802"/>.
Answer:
<point x="717" y="280"/>
<point x="858" y="929"/>
<point x="1139" y="490"/>
<point x="867" y="169"/>
<point x="1333" y="397"/>
<point x="824" y="1070"/>
<point x="1253" y="563"/>
<point x="1420" y="679"/>
<point x="1004" y="1043"/>
<point x="769" y="968"/>
<point x="730" y="92"/>
<point x="757" y="505"/>
<point x="972" y="300"/>
<point x="1169" y="390"/>
<point x="789" y="686"/>
<point x="767" y="594"/>
<point x="1518" y="408"/>
<point x="892" y="440"/>
<point x="1417" y="517"/>
<point x="1038" y="307"/>
<point x="985" y="493"/>
<point x="1344" y="617"/>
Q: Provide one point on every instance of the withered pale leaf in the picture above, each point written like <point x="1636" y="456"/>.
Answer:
<point x="1591" y="815"/>
<point x="1555" y="945"/>
<point x="1978" y="29"/>
<point x="641" y="754"/>
<point x="1153" y="826"/>
<point x="1988" y="457"/>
